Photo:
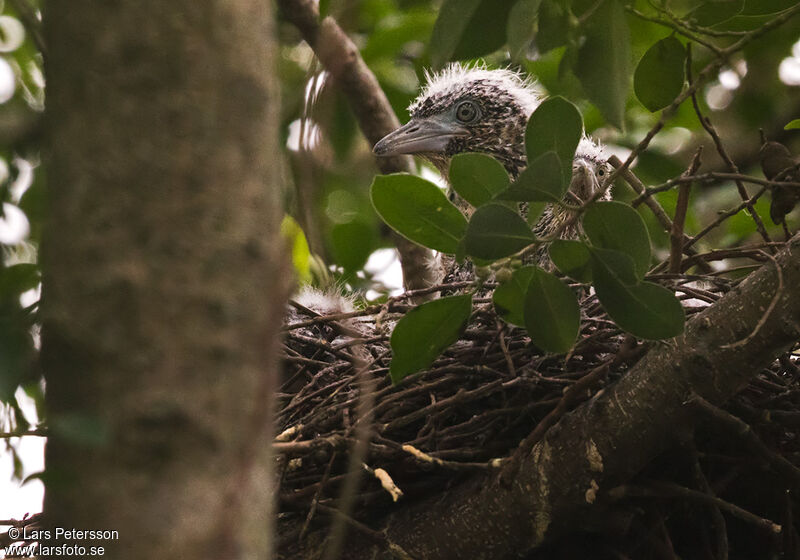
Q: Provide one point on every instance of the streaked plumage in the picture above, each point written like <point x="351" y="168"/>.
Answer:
<point x="473" y="109"/>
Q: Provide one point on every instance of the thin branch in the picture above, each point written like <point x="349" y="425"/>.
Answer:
<point x="706" y="123"/>
<point x="392" y="548"/>
<point x="772" y="304"/>
<point x="676" y="235"/>
<point x="23" y="433"/>
<point x="341" y="57"/>
<point x="701" y="78"/>
<point x="720" y="527"/>
<point x="658" y="211"/>
<point x="363" y="432"/>
<point x="742" y="431"/>
<point x="317" y="495"/>
<point x="671" y="490"/>
<point x="677" y="27"/>
<point x="725" y="215"/>
<point x="710" y="177"/>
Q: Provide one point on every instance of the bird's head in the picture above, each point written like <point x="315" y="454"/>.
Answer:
<point x="464" y="109"/>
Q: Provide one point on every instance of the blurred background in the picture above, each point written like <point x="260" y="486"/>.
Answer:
<point x="21" y="192"/>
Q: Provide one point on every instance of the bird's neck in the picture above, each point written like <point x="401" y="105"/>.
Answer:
<point x="513" y="159"/>
<point x="514" y="162"/>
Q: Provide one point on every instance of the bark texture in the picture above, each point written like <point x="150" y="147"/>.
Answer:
<point x="163" y="288"/>
<point x="609" y="438"/>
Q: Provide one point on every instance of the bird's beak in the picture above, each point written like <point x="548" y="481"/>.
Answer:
<point x="429" y="134"/>
<point x="584" y="183"/>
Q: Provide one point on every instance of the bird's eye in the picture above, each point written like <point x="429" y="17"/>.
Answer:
<point x="467" y="112"/>
<point x="601" y="172"/>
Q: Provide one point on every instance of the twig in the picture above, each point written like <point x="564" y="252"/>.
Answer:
<point x="392" y="548"/>
<point x="392" y="304"/>
<point x="790" y="535"/>
<point x="707" y="178"/>
<point x="306" y="446"/>
<point x="315" y="502"/>
<point x="571" y="396"/>
<point x="453" y="465"/>
<point x="720" y="527"/>
<point x="676" y="235"/>
<point x="362" y="431"/>
<point x="768" y="312"/>
<point x="725" y="215"/>
<point x="341" y="57"/>
<point x="678" y="28"/>
<point x="288" y="433"/>
<point x="27" y="521"/>
<point x="504" y="347"/>
<point x="386" y="481"/>
<point x="638" y="187"/>
<point x="744" y="432"/>
<point x="671" y="490"/>
<point x="701" y="78"/>
<point x="461" y="396"/>
<point x="706" y="123"/>
<point x="24" y="433"/>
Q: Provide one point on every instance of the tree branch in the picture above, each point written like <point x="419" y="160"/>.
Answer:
<point x="614" y="435"/>
<point x="340" y="56"/>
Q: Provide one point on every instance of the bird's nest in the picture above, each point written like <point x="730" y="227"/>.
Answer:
<point x="474" y="405"/>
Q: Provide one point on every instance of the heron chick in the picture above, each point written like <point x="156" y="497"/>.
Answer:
<point x="474" y="109"/>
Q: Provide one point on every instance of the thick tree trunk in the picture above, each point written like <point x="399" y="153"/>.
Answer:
<point x="609" y="438"/>
<point x="163" y="274"/>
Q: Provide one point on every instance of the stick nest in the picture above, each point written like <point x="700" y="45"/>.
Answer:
<point x="472" y="408"/>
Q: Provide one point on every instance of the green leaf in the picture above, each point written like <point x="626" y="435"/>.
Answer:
<point x="418" y="210"/>
<point x="324" y="8"/>
<point x="715" y="11"/>
<point x="17" y="279"/>
<point x="541" y="181"/>
<point x="556" y="125"/>
<point x="477" y="177"/>
<point x="615" y="225"/>
<point x="553" y="26"/>
<point x="351" y="244"/>
<point x="572" y="259"/>
<point x="617" y="262"/>
<point x="552" y="314"/>
<point x="425" y="332"/>
<point x="495" y="231"/>
<point x="301" y="255"/>
<point x="533" y="211"/>
<point x="393" y="34"/>
<point x="761" y="7"/>
<point x="795" y="124"/>
<point x="16" y="355"/>
<point x="468" y="29"/>
<point x="659" y="77"/>
<point x="521" y="24"/>
<point x="34" y="203"/>
<point x="643" y="309"/>
<point x="603" y="66"/>
<point x="509" y="297"/>
<point x="568" y="61"/>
